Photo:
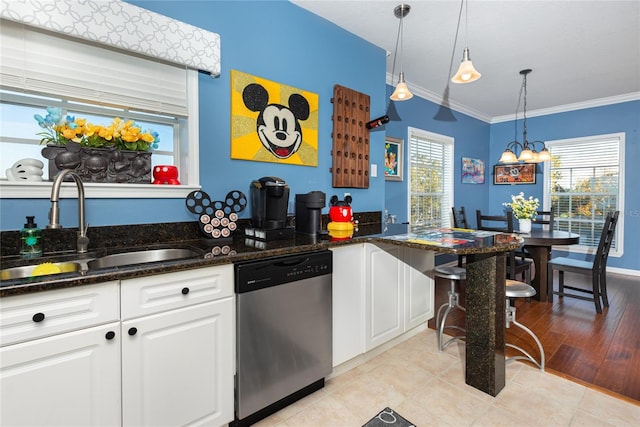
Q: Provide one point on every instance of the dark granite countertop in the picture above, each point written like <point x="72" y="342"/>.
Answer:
<point x="213" y="252"/>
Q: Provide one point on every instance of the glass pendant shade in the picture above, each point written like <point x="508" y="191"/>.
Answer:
<point x="544" y="155"/>
<point x="526" y="155"/>
<point x="508" y="156"/>
<point x="402" y="92"/>
<point x="466" y="72"/>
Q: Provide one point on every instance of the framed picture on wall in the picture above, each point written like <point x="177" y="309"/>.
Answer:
<point x="514" y="174"/>
<point x="393" y="159"/>
<point x="472" y="171"/>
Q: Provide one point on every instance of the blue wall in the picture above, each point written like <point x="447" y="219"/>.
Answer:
<point x="470" y="140"/>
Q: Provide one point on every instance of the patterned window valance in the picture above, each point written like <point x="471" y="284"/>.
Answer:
<point x="124" y="26"/>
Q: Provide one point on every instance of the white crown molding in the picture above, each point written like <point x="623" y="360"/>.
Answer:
<point x="618" y="99"/>
<point x="437" y="99"/>
<point x="461" y="108"/>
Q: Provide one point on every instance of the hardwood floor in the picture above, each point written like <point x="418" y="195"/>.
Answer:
<point x="599" y="350"/>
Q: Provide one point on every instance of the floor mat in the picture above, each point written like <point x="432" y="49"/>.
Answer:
<point x="388" y="418"/>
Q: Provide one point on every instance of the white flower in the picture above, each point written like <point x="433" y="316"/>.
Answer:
<point x="523" y="208"/>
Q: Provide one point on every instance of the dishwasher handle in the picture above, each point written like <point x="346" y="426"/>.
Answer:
<point x="292" y="262"/>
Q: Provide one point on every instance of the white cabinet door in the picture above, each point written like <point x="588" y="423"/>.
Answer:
<point x="348" y="302"/>
<point x="178" y="367"/>
<point x="384" y="295"/>
<point x="419" y="288"/>
<point x="70" y="379"/>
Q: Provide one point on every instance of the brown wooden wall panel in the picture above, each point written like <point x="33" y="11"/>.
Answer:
<point x="350" y="150"/>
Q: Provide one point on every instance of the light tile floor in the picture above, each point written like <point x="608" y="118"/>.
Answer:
<point x="427" y="388"/>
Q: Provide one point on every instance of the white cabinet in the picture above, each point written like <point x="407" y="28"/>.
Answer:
<point x="56" y="366"/>
<point x="384" y="307"/>
<point x="178" y="363"/>
<point x="419" y="288"/>
<point x="348" y="302"/>
<point x="149" y="351"/>
<point x="399" y="294"/>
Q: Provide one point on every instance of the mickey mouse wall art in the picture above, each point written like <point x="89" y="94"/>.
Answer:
<point x="272" y="122"/>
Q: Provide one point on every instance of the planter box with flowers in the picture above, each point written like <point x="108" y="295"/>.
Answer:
<point x="117" y="153"/>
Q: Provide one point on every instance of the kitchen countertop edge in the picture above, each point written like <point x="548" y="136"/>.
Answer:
<point x="68" y="280"/>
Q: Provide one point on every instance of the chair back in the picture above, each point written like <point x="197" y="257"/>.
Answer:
<point x="545" y="218"/>
<point x="503" y="223"/>
<point x="459" y="218"/>
<point x="606" y="239"/>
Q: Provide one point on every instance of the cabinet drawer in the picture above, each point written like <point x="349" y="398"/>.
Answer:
<point x="27" y="317"/>
<point x="153" y="294"/>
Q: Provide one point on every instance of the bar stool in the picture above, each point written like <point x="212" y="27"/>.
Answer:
<point x="453" y="274"/>
<point x="515" y="289"/>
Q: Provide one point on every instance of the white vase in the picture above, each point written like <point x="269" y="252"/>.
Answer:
<point x="525" y="225"/>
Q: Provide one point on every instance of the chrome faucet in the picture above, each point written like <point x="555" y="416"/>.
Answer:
<point x="82" y="243"/>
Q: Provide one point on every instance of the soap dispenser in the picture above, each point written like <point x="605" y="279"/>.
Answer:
<point x="30" y="239"/>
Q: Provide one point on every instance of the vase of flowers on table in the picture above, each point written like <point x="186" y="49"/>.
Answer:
<point x="524" y="210"/>
<point x="119" y="152"/>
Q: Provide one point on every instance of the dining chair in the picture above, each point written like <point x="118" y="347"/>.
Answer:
<point x="460" y="221"/>
<point x="597" y="268"/>
<point x="460" y="218"/>
<point x="543" y="218"/>
<point x="516" y="266"/>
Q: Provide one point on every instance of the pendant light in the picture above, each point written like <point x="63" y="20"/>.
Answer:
<point x="466" y="72"/>
<point x="528" y="152"/>
<point x="401" y="93"/>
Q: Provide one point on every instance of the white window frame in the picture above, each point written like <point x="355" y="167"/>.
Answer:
<point x="618" y="249"/>
<point x="448" y="142"/>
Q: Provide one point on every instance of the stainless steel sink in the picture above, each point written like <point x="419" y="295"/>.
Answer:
<point x="27" y="270"/>
<point x="140" y="257"/>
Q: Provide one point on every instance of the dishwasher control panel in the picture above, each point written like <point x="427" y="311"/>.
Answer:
<point x="263" y="273"/>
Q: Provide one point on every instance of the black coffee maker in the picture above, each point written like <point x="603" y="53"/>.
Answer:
<point x="269" y="203"/>
<point x="309" y="212"/>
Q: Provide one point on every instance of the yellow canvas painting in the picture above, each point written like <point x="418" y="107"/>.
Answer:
<point x="272" y="122"/>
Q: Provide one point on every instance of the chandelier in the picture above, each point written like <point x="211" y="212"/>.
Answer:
<point x="528" y="149"/>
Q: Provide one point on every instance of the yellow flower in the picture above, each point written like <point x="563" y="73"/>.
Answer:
<point x="523" y="208"/>
<point x="121" y="134"/>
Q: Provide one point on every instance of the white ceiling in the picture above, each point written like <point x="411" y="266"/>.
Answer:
<point x="583" y="53"/>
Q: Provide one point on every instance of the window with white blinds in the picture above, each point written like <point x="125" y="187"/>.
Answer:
<point x="40" y="69"/>
<point x="585" y="182"/>
<point x="430" y="178"/>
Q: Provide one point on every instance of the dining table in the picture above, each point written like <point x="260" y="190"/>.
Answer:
<point x="538" y="242"/>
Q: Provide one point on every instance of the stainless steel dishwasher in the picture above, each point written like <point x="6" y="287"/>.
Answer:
<point x="283" y="325"/>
